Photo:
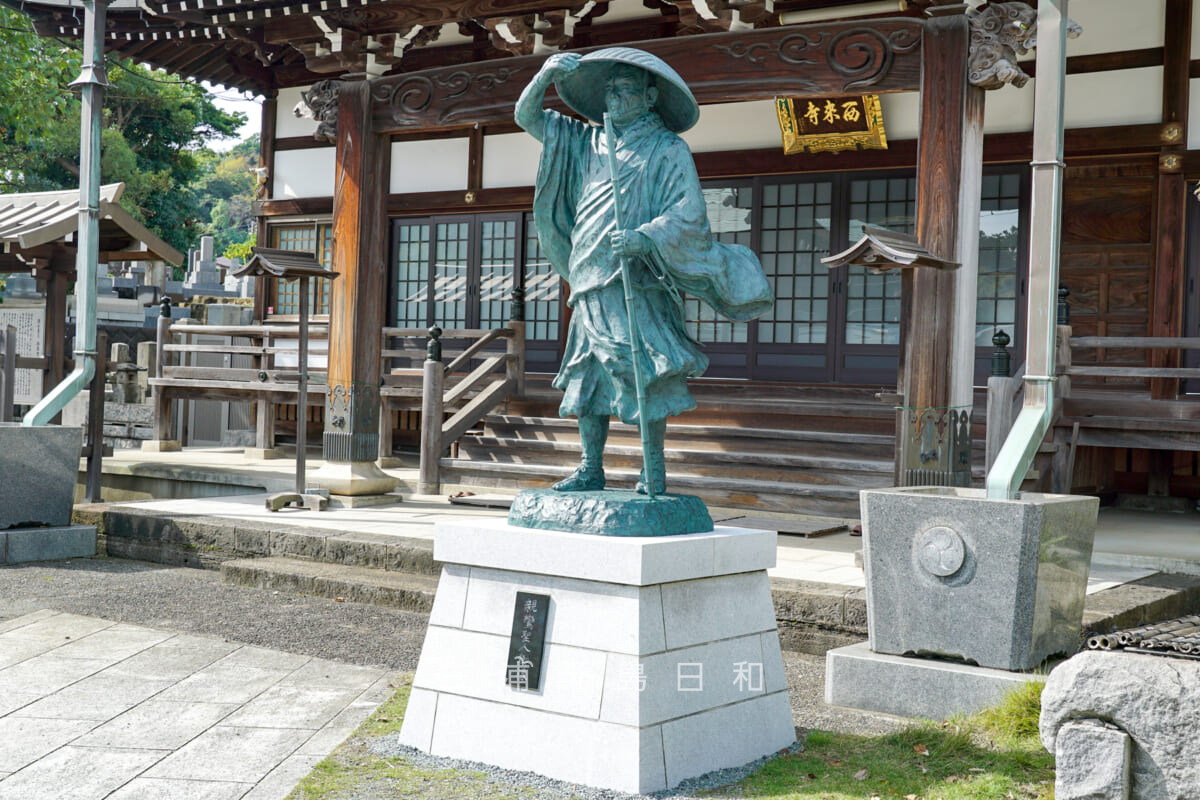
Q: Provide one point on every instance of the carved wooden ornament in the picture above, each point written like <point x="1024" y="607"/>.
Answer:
<point x="321" y="100"/>
<point x="1000" y="32"/>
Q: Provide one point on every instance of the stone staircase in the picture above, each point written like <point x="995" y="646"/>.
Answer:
<point x="807" y="453"/>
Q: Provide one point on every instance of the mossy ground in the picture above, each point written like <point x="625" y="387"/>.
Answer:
<point x="994" y="755"/>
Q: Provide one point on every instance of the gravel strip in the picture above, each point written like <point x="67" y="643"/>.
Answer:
<point x="196" y="601"/>
<point x="544" y="788"/>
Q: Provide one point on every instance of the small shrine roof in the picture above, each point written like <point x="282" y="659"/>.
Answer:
<point x="881" y="249"/>
<point x="272" y="263"/>
<point x="30" y="219"/>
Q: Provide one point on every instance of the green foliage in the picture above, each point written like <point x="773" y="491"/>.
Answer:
<point x="34" y="73"/>
<point x="155" y="129"/>
<point x="241" y="250"/>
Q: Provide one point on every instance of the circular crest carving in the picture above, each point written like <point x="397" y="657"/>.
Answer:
<point x="941" y="551"/>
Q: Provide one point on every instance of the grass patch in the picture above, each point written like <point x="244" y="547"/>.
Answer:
<point x="354" y="771"/>
<point x="1014" y="721"/>
<point x="994" y="755"/>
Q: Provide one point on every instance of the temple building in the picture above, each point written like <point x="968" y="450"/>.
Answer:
<point x="391" y="153"/>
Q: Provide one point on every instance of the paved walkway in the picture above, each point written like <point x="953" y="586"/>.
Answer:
<point x="97" y="710"/>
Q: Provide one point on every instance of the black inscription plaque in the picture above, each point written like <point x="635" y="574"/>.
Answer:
<point x="524" y="670"/>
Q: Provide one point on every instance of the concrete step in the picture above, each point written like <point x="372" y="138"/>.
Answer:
<point x="813" y="617"/>
<point x="404" y="590"/>
<point x="558" y="428"/>
<point x="193" y="540"/>
<point x="509" y="450"/>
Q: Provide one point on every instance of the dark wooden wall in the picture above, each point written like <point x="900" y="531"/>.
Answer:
<point x="1108" y="257"/>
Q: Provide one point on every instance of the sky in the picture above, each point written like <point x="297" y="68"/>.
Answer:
<point x="233" y="100"/>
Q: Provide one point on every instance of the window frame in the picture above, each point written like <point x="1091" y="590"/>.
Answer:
<point x="272" y="284"/>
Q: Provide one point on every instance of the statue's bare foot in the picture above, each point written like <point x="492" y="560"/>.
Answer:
<point x="583" y="479"/>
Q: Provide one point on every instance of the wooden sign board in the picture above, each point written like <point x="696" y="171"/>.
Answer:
<point x="30" y="322"/>
<point x="830" y="124"/>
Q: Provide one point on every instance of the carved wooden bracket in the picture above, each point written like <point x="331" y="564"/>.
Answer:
<point x="348" y="50"/>
<point x="999" y="33"/>
<point x="535" y="33"/>
<point x="321" y="100"/>
<point x="711" y="16"/>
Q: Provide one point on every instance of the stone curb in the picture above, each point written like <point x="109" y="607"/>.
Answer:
<point x="403" y="590"/>
<point x="206" y="542"/>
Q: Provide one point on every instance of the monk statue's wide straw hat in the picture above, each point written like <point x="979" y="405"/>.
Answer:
<point x="583" y="89"/>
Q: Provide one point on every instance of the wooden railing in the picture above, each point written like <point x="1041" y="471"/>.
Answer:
<point x="1179" y="343"/>
<point x="270" y="378"/>
<point x="438" y="431"/>
<point x="452" y="396"/>
<point x="1138" y="423"/>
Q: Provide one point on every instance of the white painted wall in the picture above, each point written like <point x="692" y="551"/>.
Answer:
<point x="434" y="165"/>
<point x="621" y="10"/>
<point x="1009" y="110"/>
<point x="1193" y="141"/>
<point x="1094" y="99"/>
<point x="1124" y="97"/>
<point x="304" y="173"/>
<point x="288" y="124"/>
<point x="1195" y="29"/>
<point x="901" y="115"/>
<point x="510" y="159"/>
<point x="735" y="126"/>
<point x="1114" y="25"/>
<point x="449" y="35"/>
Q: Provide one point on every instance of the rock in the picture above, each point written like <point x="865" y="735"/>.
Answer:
<point x="1091" y="762"/>
<point x="610" y="513"/>
<point x="1155" y="699"/>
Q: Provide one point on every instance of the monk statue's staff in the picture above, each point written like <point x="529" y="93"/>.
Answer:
<point x="635" y="341"/>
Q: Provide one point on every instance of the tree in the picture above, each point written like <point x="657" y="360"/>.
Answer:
<point x="154" y="126"/>
<point x="226" y="192"/>
<point x="34" y="94"/>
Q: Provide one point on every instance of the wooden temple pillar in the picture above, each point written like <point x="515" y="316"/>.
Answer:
<point x="357" y="303"/>
<point x="936" y="376"/>
<point x="1170" y="218"/>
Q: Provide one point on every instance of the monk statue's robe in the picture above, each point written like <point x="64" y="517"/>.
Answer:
<point x="661" y="198"/>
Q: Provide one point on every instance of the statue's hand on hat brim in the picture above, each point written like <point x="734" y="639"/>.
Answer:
<point x="560" y="64"/>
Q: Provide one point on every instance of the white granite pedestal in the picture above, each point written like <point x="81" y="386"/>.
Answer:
<point x="661" y="660"/>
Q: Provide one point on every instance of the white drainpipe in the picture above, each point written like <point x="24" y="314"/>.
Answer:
<point x="1016" y="456"/>
<point x="93" y="82"/>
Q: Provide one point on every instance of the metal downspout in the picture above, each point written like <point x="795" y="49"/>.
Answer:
<point x="93" y="81"/>
<point x="1016" y="456"/>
